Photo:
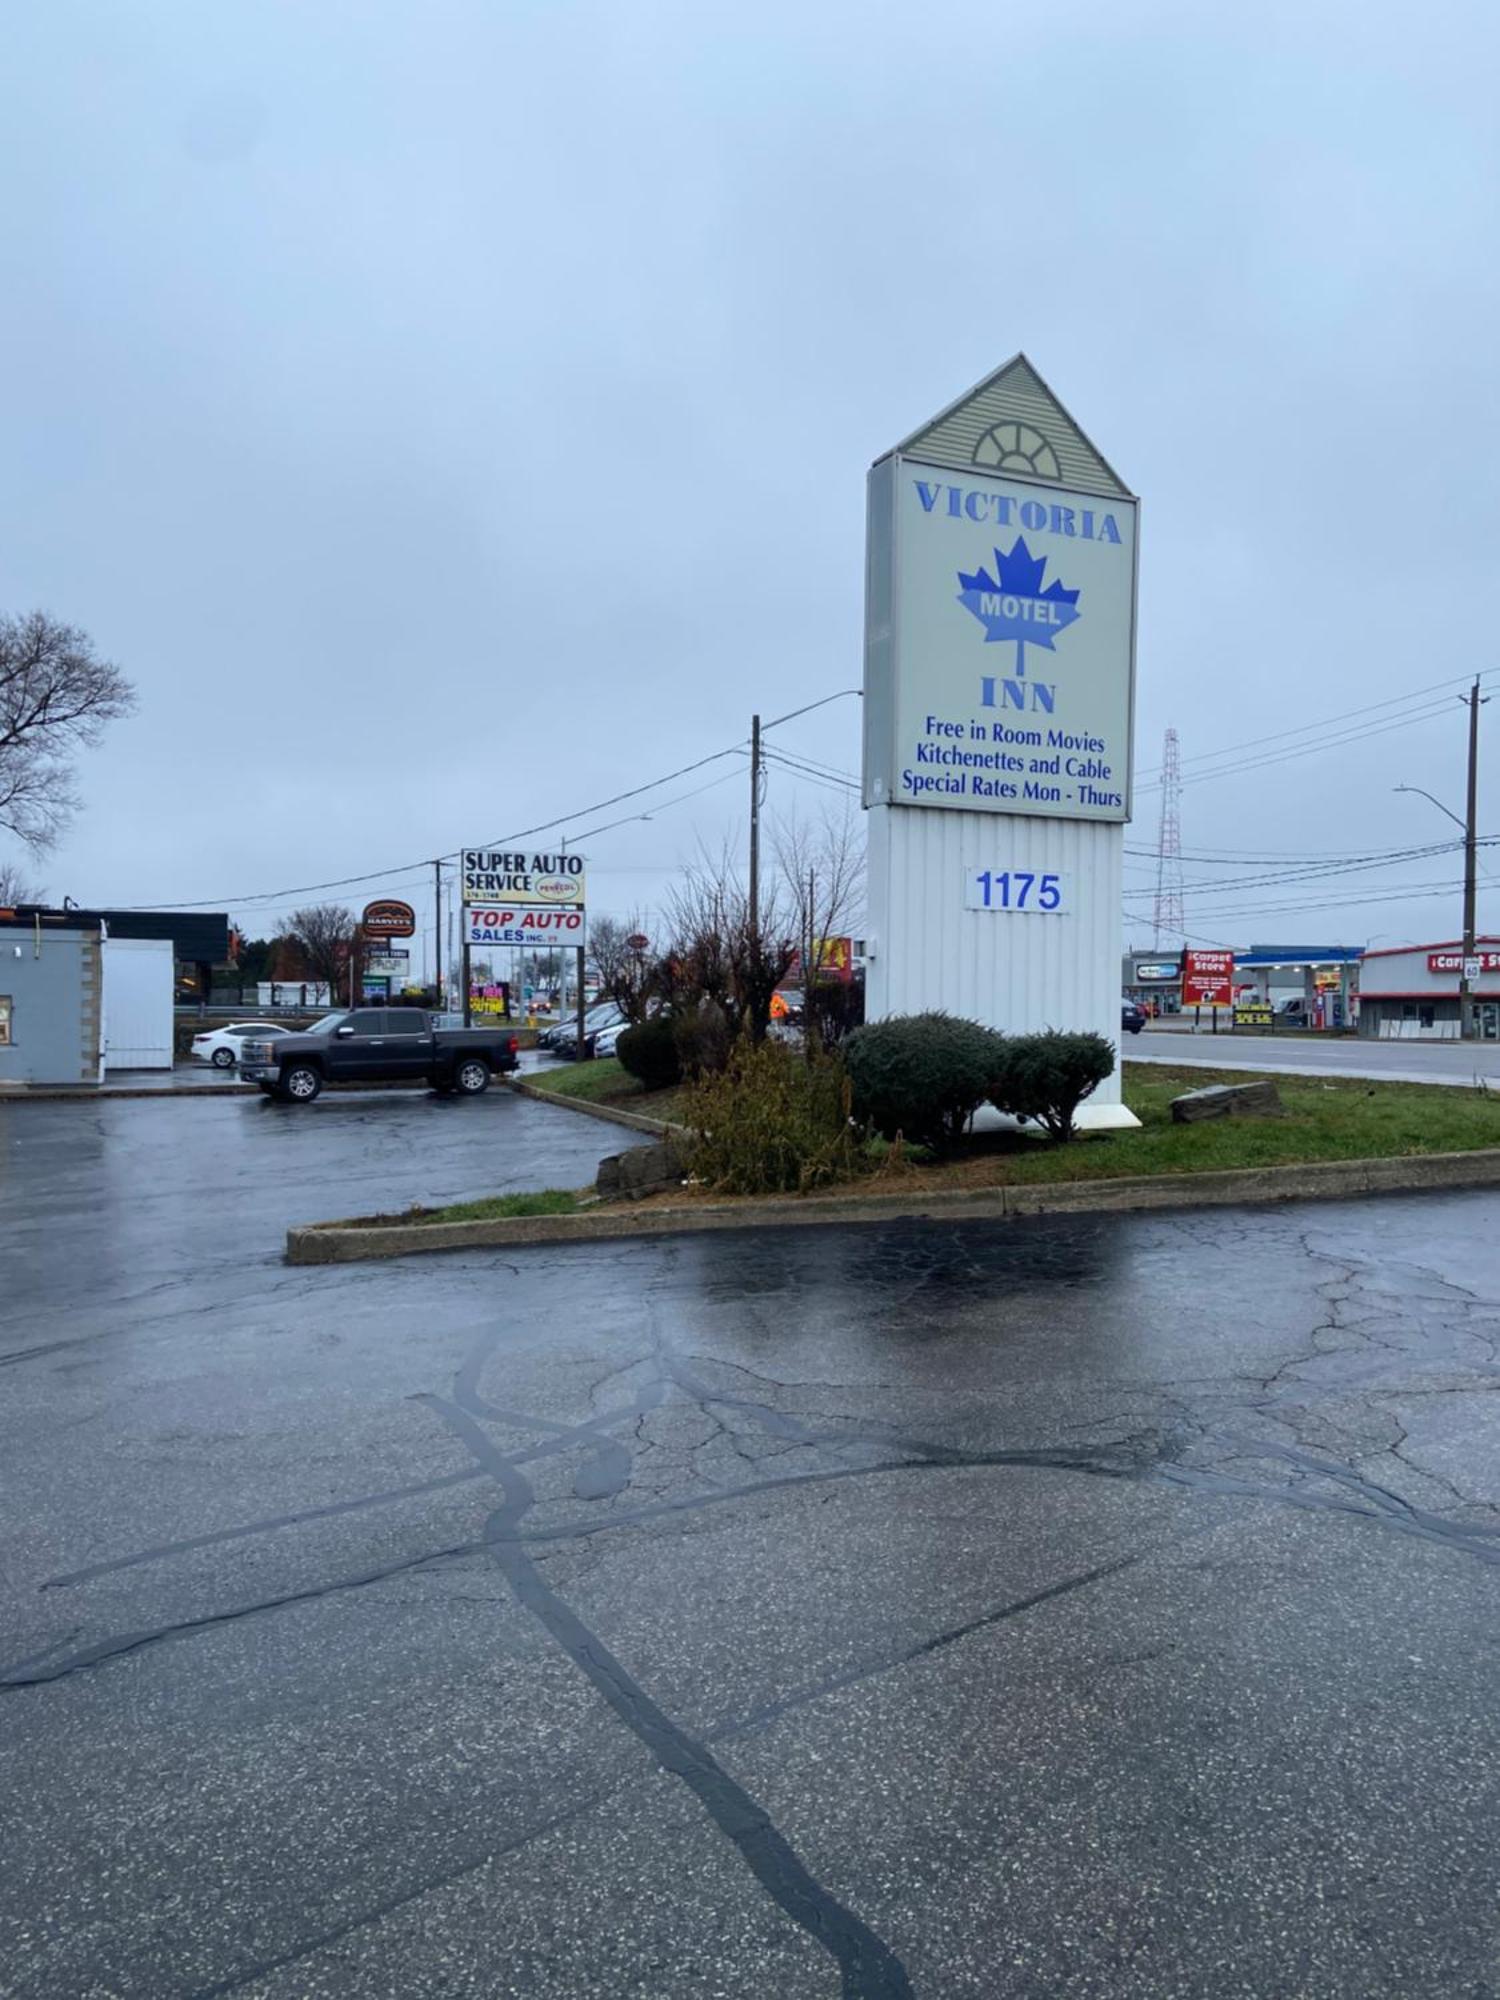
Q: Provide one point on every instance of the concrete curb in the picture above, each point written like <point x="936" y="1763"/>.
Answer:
<point x="1317" y="1180"/>
<point x="110" y="1094"/>
<point x="636" y="1120"/>
<point x="50" y="1093"/>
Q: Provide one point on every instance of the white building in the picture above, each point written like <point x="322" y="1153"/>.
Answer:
<point x="1410" y="993"/>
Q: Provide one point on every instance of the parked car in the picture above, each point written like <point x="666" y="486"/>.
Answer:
<point x="603" y="1014"/>
<point x="222" y="1046"/>
<point x="377" y="1045"/>
<point x="1132" y="1017"/>
<point x="565" y="1041"/>
<point x="604" y="1042"/>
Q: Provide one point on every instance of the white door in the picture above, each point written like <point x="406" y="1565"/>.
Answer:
<point x="138" y="975"/>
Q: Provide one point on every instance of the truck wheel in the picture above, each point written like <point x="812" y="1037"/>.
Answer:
<point x="472" y="1076"/>
<point x="300" y="1083"/>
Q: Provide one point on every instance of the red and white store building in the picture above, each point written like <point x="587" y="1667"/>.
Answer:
<point x="1411" y="993"/>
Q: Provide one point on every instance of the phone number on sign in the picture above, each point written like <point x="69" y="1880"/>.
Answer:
<point x="1015" y="890"/>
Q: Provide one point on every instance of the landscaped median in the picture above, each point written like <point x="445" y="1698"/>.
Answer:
<point x="1337" y="1137"/>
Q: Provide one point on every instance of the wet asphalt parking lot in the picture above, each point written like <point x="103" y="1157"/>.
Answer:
<point x="1099" y="1607"/>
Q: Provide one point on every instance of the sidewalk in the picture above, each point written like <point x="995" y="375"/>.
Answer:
<point x="185" y="1080"/>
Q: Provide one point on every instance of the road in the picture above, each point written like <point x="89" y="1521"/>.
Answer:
<point x="1095" y="1607"/>
<point x="1397" y="1062"/>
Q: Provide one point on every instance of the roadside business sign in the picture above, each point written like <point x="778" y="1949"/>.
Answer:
<point x="1455" y="963"/>
<point x="523" y="878"/>
<point x="391" y="961"/>
<point x="520" y="896"/>
<point x="1253" y="1014"/>
<point x="1000" y="643"/>
<point x="1000" y="595"/>
<point x="1157" y="971"/>
<point x="501" y="923"/>
<point x="1208" y="979"/>
<point x="835" y="962"/>
<point x="388" y="917"/>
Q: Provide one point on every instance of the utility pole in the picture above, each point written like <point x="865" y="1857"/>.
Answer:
<point x="754" y="826"/>
<point x="437" y="933"/>
<point x="1471" y="813"/>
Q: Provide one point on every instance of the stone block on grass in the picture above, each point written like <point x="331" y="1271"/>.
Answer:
<point x="1228" y="1100"/>
<point x="643" y="1170"/>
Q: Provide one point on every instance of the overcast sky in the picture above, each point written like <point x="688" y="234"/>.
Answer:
<point x="451" y="413"/>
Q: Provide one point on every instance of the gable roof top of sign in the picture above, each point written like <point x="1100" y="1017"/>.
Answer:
<point x="1012" y="423"/>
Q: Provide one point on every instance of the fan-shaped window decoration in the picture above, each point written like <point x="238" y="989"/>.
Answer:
<point x="1016" y="448"/>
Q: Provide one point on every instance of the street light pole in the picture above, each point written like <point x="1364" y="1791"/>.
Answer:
<point x="754" y="826"/>
<point x="1474" y="701"/>
<point x="1465" y="1009"/>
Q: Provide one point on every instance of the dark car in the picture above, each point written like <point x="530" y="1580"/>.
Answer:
<point x="1132" y="1017"/>
<point x="378" y="1045"/>
<point x="563" y="1039"/>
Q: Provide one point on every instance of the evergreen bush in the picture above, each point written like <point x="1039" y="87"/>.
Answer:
<point x="649" y="1051"/>
<point x="921" y="1075"/>
<point x="1046" y="1077"/>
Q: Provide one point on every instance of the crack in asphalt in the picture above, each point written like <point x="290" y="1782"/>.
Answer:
<point x="870" y="1969"/>
<point x="772" y="1711"/>
<point x="250" y="1975"/>
<point x="1387" y="1313"/>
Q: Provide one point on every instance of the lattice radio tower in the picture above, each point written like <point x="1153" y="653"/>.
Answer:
<point x="1166" y="914"/>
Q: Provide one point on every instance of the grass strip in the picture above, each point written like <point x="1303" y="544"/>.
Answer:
<point x="1326" y="1118"/>
<point x="543" y="1201"/>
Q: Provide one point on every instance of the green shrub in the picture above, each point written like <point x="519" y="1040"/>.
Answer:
<point x="703" y="1038"/>
<point x="1047" y="1077"/>
<point x="650" y="1052"/>
<point x="772" y="1121"/>
<point x="921" y="1075"/>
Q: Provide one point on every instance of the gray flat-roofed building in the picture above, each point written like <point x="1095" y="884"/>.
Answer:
<point x="51" y="1001"/>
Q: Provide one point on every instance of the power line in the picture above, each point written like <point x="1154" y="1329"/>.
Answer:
<point x="1286" y="877"/>
<point x="405" y="868"/>
<point x="1417" y="892"/>
<point x="1341" y="741"/>
<point x="1230" y="858"/>
<point x="815" y="777"/>
<point x="1329" y="722"/>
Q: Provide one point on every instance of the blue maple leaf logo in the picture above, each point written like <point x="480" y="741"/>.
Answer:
<point x="1013" y="605"/>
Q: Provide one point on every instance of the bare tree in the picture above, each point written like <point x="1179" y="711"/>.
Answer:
<point x="718" y="953"/>
<point x="56" y="695"/>
<point x="627" y="973"/>
<point x="822" y="867"/>
<point x="327" y="937"/>
<point x="15" y="888"/>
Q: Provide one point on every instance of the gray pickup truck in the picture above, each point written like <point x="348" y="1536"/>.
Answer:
<point x="377" y="1045"/>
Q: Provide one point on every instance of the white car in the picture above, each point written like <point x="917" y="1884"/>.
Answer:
<point x="604" y="1041"/>
<point x="221" y="1046"/>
